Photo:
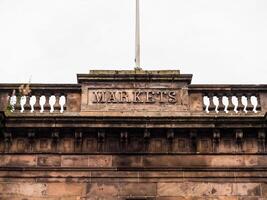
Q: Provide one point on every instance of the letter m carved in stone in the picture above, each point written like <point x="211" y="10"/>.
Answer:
<point x="99" y="97"/>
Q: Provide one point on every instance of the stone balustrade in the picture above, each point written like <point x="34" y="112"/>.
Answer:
<point x="212" y="99"/>
<point x="231" y="102"/>
<point x="231" y="99"/>
<point x="43" y="98"/>
<point x="38" y="103"/>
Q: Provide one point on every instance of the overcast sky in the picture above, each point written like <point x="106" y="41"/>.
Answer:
<point x="218" y="41"/>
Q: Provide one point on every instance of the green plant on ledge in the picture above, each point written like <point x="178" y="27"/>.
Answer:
<point x="23" y="90"/>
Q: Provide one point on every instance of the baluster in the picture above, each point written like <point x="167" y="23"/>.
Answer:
<point x="27" y="105"/>
<point x="258" y="108"/>
<point x="57" y="105"/>
<point x="11" y="103"/>
<point x="52" y="101"/>
<point x="63" y="103"/>
<point x="249" y="103"/>
<point x="231" y="106"/>
<point x="32" y="103"/>
<point x="220" y="100"/>
<point x="212" y="105"/>
<point x="22" y="103"/>
<point x="205" y="106"/>
<point x="240" y="106"/>
<point x="37" y="106"/>
<point x="47" y="105"/>
<point x="17" y="106"/>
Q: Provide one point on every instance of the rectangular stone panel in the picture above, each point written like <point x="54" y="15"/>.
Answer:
<point x="194" y="189"/>
<point x="99" y="161"/>
<point x="25" y="189"/>
<point x="138" y="189"/>
<point x="102" y="191"/>
<point x="48" y="160"/>
<point x="132" y="100"/>
<point x="18" y="160"/>
<point x="74" y="161"/>
<point x="61" y="190"/>
<point x="126" y="161"/>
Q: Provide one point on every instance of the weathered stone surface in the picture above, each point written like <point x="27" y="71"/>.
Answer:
<point x="126" y="161"/>
<point x="146" y="137"/>
<point x="264" y="189"/>
<point x="23" y="189"/>
<point x="18" y="160"/>
<point x="48" y="160"/>
<point x="74" y="161"/>
<point x="99" y="161"/>
<point x="194" y="189"/>
<point x="95" y="191"/>
<point x="247" y="189"/>
<point x="66" y="189"/>
<point x="137" y="189"/>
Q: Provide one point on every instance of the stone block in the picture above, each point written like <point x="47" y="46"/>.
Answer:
<point x="103" y="161"/>
<point x="23" y="189"/>
<point x="264" y="189"/>
<point x="194" y="189"/>
<point x="66" y="189"/>
<point x="138" y="189"/>
<point x="127" y="161"/>
<point x="196" y="102"/>
<point x="74" y="161"/>
<point x="103" y="191"/>
<point x="247" y="189"/>
<point x="18" y="160"/>
<point x="48" y="160"/>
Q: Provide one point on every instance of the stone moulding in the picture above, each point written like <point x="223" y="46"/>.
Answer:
<point x="148" y="135"/>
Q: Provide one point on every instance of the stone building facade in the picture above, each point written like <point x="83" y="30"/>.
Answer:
<point x="133" y="135"/>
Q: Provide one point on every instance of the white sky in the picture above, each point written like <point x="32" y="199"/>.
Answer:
<point x="218" y="41"/>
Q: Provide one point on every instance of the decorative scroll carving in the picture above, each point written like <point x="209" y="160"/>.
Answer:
<point x="216" y="139"/>
<point x="261" y="140"/>
<point x="101" y="140"/>
<point x="239" y="139"/>
<point x="55" y="140"/>
<point x="193" y="139"/>
<point x="78" y="141"/>
<point x="31" y="136"/>
<point x="170" y="137"/>
<point x="124" y="140"/>
<point x="146" y="139"/>
<point x="7" y="141"/>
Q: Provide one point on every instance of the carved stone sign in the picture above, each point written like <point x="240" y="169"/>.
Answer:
<point x="148" y="101"/>
<point x="134" y="93"/>
<point x="134" y="96"/>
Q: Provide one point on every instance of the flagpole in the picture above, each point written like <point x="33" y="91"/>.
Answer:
<point x="137" y="37"/>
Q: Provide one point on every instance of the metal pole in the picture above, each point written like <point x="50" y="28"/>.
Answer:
<point x="137" y="37"/>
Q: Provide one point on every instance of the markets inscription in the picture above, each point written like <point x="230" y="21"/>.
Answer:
<point x="134" y="96"/>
